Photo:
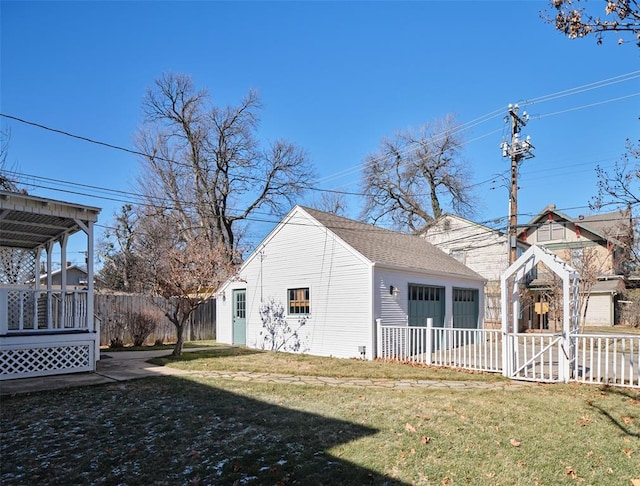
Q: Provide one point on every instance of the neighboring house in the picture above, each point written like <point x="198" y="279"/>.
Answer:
<point x="76" y="277"/>
<point x="44" y="330"/>
<point x="596" y="246"/>
<point x="483" y="249"/>
<point x="340" y="276"/>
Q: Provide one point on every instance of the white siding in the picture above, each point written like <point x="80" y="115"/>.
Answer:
<point x="600" y="310"/>
<point x="485" y="250"/>
<point x="302" y="254"/>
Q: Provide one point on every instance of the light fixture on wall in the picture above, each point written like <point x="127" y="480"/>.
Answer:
<point x="394" y="291"/>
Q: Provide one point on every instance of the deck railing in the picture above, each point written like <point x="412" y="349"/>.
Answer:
<point x="28" y="310"/>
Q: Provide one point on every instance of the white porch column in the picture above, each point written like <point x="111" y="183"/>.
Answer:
<point x="36" y="285"/>
<point x="49" y="285"/>
<point x="91" y="324"/>
<point x="63" y="280"/>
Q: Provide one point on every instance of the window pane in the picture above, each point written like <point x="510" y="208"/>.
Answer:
<point x="298" y="301"/>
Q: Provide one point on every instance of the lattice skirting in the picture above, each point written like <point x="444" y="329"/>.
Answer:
<point x="21" y="362"/>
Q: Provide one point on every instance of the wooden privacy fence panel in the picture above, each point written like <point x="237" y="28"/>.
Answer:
<point x="113" y="309"/>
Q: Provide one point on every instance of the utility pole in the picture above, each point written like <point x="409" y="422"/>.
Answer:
<point x="516" y="150"/>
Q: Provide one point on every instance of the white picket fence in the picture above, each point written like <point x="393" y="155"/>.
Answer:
<point x="542" y="357"/>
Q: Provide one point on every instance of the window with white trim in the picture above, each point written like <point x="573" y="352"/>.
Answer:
<point x="298" y="302"/>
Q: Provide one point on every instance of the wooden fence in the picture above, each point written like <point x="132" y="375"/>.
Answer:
<point x="113" y="309"/>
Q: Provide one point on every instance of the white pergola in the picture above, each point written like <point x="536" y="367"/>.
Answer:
<point x="44" y="330"/>
<point x="511" y="303"/>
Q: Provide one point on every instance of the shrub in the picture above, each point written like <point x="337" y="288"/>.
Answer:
<point x="141" y="325"/>
<point x="116" y="342"/>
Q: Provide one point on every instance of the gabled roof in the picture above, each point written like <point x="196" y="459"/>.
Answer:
<point x="477" y="240"/>
<point x="59" y="271"/>
<point x="604" y="225"/>
<point x="389" y="248"/>
<point x="481" y="226"/>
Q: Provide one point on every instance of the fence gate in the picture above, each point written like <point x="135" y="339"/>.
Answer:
<point x="538" y="356"/>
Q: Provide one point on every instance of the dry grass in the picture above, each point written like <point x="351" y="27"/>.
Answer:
<point x="171" y="430"/>
<point x="243" y="359"/>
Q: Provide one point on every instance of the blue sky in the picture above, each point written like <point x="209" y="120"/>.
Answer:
<point x="334" y="78"/>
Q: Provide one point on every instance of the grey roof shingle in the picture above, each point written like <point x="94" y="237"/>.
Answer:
<point x="390" y="248"/>
<point x="615" y="224"/>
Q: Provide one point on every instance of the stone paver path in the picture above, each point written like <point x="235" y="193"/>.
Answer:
<point x="246" y="376"/>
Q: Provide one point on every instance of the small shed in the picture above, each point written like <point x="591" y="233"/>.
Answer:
<point x="45" y="329"/>
<point x="333" y="277"/>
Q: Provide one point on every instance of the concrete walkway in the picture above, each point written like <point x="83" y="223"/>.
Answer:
<point x="129" y="365"/>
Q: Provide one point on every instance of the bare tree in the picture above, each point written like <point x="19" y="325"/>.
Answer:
<point x="331" y="202"/>
<point x="206" y="166"/>
<point x="621" y="187"/>
<point x="120" y="270"/>
<point x="405" y="181"/>
<point x="588" y="263"/>
<point x="182" y="266"/>
<point x="575" y="19"/>
<point x="7" y="181"/>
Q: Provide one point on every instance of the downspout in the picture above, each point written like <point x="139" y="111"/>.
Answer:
<point x="374" y="326"/>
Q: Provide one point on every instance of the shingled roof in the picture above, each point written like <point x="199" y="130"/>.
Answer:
<point x="613" y="225"/>
<point x="391" y="248"/>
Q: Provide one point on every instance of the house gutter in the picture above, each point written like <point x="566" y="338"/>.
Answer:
<point x="435" y="273"/>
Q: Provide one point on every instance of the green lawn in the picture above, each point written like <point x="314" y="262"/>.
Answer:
<point x="201" y="431"/>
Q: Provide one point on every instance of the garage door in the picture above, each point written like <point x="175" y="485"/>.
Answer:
<point x="465" y="313"/>
<point x="426" y="301"/>
<point x="465" y="308"/>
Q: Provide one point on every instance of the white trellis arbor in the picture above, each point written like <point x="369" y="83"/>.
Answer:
<point x="539" y="356"/>
<point x="44" y="329"/>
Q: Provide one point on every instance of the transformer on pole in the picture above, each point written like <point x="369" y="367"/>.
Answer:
<point x="517" y="149"/>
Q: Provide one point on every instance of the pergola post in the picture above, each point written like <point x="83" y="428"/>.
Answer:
<point x="570" y="293"/>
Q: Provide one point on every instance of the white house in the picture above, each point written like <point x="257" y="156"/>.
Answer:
<point x="341" y="275"/>
<point x="481" y="248"/>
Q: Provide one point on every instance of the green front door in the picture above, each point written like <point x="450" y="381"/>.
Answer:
<point x="239" y="317"/>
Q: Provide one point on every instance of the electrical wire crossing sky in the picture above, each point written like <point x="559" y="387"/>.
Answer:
<point x="335" y="78"/>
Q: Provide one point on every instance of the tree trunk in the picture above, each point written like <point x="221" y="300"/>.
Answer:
<point x="177" y="350"/>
